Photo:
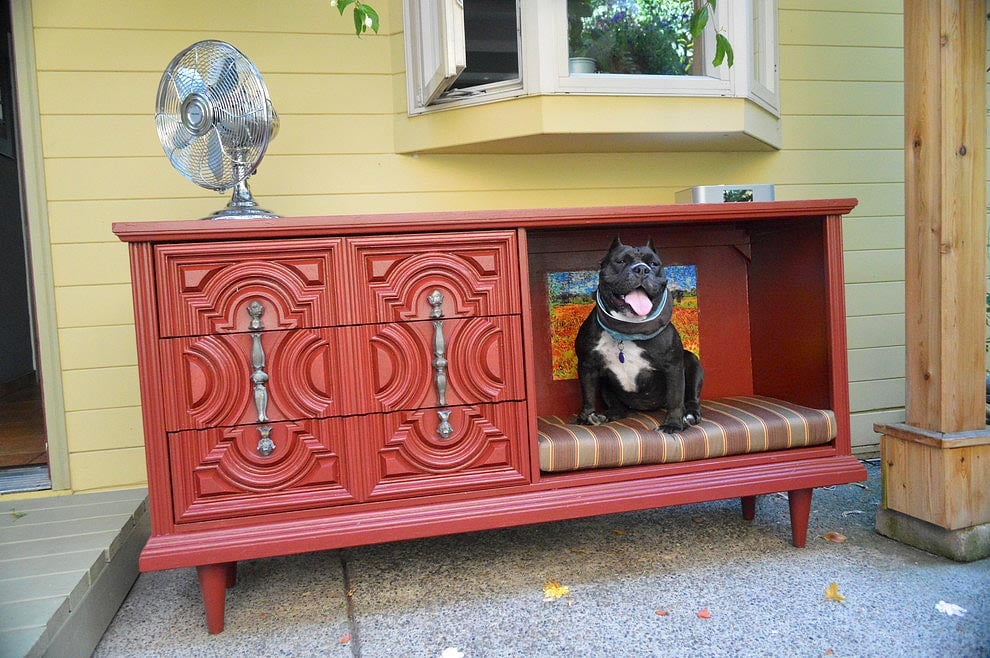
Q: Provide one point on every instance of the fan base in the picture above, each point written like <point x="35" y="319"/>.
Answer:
<point x="253" y="212"/>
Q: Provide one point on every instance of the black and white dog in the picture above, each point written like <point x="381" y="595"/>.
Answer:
<point x="629" y="352"/>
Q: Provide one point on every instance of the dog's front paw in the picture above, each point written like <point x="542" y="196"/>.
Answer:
<point x="692" y="419"/>
<point x="590" y="417"/>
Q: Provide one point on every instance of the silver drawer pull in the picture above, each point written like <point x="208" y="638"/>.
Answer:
<point x="265" y="444"/>
<point x="258" y="375"/>
<point x="444" y="429"/>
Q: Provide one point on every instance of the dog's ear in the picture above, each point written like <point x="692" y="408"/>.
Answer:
<point x="649" y="245"/>
<point x="616" y="243"/>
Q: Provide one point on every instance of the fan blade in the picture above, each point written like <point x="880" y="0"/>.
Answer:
<point x="187" y="81"/>
<point x="172" y="132"/>
<point x="223" y="77"/>
<point x="216" y="157"/>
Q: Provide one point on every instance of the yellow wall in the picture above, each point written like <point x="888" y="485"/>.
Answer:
<point x="98" y="66"/>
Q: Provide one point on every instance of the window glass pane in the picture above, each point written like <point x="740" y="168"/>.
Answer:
<point x="634" y="37"/>
<point x="492" y="43"/>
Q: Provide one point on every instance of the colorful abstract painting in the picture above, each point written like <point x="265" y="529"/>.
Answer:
<point x="571" y="296"/>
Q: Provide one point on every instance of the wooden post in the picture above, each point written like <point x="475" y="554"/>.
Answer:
<point x="931" y="463"/>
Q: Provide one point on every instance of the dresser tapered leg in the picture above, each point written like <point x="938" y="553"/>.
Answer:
<point x="800" y="503"/>
<point x="748" y="507"/>
<point x="213" y="579"/>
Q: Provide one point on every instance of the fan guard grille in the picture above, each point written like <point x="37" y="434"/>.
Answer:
<point x="213" y="115"/>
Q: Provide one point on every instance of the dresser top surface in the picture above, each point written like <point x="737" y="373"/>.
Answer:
<point x="286" y="227"/>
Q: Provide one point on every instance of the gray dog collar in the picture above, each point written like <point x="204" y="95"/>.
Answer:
<point x="621" y="336"/>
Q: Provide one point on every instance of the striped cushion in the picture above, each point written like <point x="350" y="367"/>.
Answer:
<point x="729" y="426"/>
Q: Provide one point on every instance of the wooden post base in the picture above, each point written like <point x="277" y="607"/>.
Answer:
<point x="937" y="477"/>
<point x="214" y="579"/>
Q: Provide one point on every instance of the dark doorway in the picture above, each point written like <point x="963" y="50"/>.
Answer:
<point x="23" y="443"/>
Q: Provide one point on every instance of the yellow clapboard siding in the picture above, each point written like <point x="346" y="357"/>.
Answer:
<point x="873" y="233"/>
<point x="90" y="306"/>
<point x="103" y="92"/>
<point x="876" y="363"/>
<point x="302" y="134"/>
<point x="874" y="265"/>
<point x="304" y="16"/>
<point x="115" y="178"/>
<point x="812" y="97"/>
<point x="337" y="96"/>
<point x="90" y="264"/>
<point x="843" y="132"/>
<point x="875" y="200"/>
<point x="97" y="347"/>
<point x="104" y="469"/>
<point x="104" y="135"/>
<point x="90" y="221"/>
<point x="103" y="388"/>
<point x="133" y="135"/>
<point x="874" y="298"/>
<point x="104" y="429"/>
<point x="841" y="64"/>
<point x="875" y="330"/>
<point x="865" y="441"/>
<point x="829" y="27"/>
<point x="152" y="50"/>
<point x="876" y="394"/>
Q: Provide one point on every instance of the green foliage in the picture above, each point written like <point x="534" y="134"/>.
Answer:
<point x="365" y="15"/>
<point x="723" y="49"/>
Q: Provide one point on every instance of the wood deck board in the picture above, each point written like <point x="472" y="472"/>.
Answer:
<point x="54" y="553"/>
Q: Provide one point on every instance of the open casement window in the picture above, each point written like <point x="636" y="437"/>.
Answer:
<point x="462" y="50"/>
<point x="436" y="52"/>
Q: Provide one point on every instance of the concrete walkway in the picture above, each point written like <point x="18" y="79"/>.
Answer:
<point x="483" y="593"/>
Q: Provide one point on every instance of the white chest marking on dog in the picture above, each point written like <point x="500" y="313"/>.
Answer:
<point x="626" y="372"/>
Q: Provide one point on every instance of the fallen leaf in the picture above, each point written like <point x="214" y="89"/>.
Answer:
<point x="620" y="532"/>
<point x="832" y="592"/>
<point x="663" y="613"/>
<point x="581" y="551"/>
<point x="553" y="590"/>
<point x="18" y="515"/>
<point x="704" y="614"/>
<point x="950" y="609"/>
<point x="345" y="639"/>
<point x="829" y="652"/>
<point x="451" y="652"/>
<point x="835" y="537"/>
<point x="351" y="592"/>
<point x="698" y="519"/>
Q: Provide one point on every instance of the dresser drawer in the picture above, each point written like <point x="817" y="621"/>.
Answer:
<point x="394" y="276"/>
<point x="405" y="455"/>
<point x="222" y="473"/>
<point x="205" y="288"/>
<point x="395" y="365"/>
<point x="212" y="381"/>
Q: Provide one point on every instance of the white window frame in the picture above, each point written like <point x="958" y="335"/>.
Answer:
<point x="749" y="25"/>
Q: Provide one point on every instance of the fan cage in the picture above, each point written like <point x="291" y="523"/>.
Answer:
<point x="213" y="115"/>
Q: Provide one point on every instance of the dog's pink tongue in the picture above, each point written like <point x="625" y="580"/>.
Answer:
<point x="639" y="301"/>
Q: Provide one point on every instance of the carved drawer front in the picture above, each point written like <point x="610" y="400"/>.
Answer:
<point x="477" y="274"/>
<point x="397" y="366"/>
<point x="241" y="471"/>
<point x="204" y="288"/>
<point x="405" y="453"/>
<point x="233" y="379"/>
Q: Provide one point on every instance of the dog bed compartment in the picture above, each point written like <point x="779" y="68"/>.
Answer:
<point x="729" y="426"/>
